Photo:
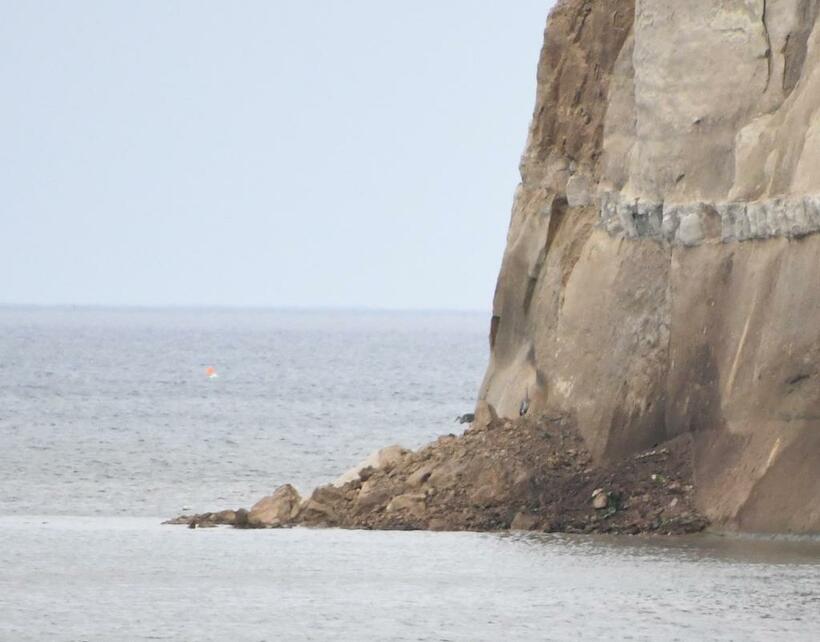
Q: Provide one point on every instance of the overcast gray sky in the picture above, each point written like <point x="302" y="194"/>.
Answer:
<point x="275" y="153"/>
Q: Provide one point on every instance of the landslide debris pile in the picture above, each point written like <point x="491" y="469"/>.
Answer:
<point x="528" y="474"/>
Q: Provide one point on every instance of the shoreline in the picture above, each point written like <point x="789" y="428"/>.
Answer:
<point x="52" y="521"/>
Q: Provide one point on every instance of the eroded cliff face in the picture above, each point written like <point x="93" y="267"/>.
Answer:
<point x="657" y="314"/>
<point x="662" y="269"/>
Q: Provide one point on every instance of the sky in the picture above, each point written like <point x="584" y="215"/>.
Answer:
<point x="330" y="153"/>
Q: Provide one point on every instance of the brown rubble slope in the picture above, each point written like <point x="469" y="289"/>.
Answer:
<point x="528" y="474"/>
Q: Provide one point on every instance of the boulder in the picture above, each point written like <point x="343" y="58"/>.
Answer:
<point x="485" y="416"/>
<point x="421" y="476"/>
<point x="328" y="494"/>
<point x="275" y="510"/>
<point x="488" y="483"/>
<point x="371" y="495"/>
<point x="412" y="503"/>
<point x="241" y="519"/>
<point x="315" y="513"/>
<point x="600" y="499"/>
<point x="383" y="458"/>
<point x="445" y="475"/>
<point x="225" y="517"/>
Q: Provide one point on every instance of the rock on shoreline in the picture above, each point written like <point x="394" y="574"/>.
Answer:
<point x="530" y="474"/>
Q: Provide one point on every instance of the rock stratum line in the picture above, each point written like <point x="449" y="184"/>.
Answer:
<point x="697" y="223"/>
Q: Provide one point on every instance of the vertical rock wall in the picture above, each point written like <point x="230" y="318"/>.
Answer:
<point x="662" y="269"/>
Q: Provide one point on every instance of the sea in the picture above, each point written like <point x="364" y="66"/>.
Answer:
<point x="110" y="424"/>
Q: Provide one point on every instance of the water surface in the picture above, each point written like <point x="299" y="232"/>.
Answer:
<point x="128" y="578"/>
<point x="110" y="412"/>
<point x="108" y="425"/>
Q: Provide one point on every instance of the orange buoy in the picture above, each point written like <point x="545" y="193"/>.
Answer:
<point x="210" y="371"/>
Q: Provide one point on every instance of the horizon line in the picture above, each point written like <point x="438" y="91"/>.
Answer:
<point x="232" y="306"/>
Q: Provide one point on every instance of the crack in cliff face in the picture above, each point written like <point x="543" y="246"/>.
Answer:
<point x="768" y="46"/>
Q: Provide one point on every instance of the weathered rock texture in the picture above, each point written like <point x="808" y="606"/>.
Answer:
<point x="662" y="269"/>
<point x="657" y="315"/>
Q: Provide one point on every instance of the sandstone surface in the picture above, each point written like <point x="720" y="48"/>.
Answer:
<point x="662" y="270"/>
<point x="657" y="314"/>
<point x="276" y="509"/>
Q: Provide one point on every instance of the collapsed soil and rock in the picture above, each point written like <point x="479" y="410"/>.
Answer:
<point x="528" y="474"/>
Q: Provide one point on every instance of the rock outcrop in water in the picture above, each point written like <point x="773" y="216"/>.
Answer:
<point x="658" y="306"/>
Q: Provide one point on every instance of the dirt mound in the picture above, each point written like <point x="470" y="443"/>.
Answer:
<point x="529" y="474"/>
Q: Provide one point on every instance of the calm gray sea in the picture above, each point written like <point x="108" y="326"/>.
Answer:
<point x="109" y="425"/>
